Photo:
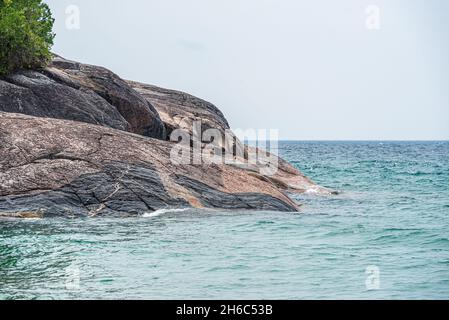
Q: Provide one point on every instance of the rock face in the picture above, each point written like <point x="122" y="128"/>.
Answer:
<point x="76" y="140"/>
<point x="74" y="91"/>
<point x="179" y="110"/>
<point x="66" y="168"/>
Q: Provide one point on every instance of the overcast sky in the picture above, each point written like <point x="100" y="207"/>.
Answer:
<point x="312" y="69"/>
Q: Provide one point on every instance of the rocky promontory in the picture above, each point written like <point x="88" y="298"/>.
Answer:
<point x="77" y="140"/>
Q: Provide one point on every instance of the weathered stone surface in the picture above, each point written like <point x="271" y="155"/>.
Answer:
<point x="114" y="157"/>
<point x="178" y="110"/>
<point x="66" y="168"/>
<point x="75" y="91"/>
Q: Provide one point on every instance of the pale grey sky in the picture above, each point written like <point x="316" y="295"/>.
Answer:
<point x="311" y="69"/>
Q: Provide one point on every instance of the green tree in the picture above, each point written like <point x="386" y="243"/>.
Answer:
<point x="26" y="35"/>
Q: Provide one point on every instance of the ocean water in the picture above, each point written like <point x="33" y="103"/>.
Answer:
<point x="385" y="236"/>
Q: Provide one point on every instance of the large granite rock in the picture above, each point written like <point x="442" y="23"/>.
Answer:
<point x="65" y="168"/>
<point x="76" y="140"/>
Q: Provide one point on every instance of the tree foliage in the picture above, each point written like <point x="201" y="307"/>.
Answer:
<point x="26" y="35"/>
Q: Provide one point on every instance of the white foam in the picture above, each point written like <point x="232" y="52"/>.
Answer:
<point x="320" y="191"/>
<point x="312" y="191"/>
<point x="163" y="211"/>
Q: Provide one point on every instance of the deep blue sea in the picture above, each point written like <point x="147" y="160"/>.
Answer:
<point x="385" y="236"/>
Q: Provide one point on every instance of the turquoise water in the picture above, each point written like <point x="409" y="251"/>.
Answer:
<point x="392" y="214"/>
